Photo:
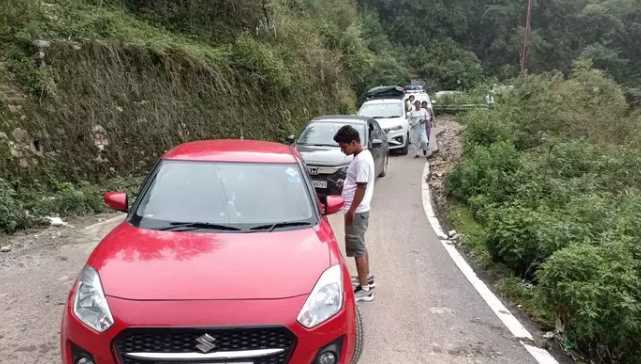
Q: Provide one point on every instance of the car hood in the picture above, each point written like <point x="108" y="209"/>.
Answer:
<point x="392" y="122"/>
<point x="323" y="156"/>
<point x="142" y="264"/>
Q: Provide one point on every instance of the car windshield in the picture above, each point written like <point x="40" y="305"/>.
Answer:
<point x="382" y="110"/>
<point x="224" y="196"/>
<point x="322" y="133"/>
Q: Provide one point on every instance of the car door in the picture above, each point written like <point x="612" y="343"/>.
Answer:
<point x="375" y="132"/>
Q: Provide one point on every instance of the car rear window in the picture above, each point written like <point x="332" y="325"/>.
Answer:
<point x="242" y="195"/>
<point x="322" y="133"/>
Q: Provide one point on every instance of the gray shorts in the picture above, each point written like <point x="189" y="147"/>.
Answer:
<point x="355" y="235"/>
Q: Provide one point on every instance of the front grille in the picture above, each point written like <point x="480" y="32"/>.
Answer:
<point x="335" y="176"/>
<point x="184" y="341"/>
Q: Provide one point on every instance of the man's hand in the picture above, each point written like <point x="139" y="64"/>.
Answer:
<point x="349" y="217"/>
<point x="358" y="198"/>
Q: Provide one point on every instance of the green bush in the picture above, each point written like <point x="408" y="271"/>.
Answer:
<point x="482" y="129"/>
<point x="12" y="213"/>
<point x="523" y="238"/>
<point x="260" y="62"/>
<point x="596" y="293"/>
<point x="486" y="170"/>
<point x="65" y="200"/>
<point x="553" y="175"/>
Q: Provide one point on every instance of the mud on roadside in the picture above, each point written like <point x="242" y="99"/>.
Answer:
<point x="450" y="150"/>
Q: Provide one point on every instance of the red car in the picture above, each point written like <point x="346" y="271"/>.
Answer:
<point x="225" y="257"/>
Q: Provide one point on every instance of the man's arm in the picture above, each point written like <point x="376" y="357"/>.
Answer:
<point x="358" y="198"/>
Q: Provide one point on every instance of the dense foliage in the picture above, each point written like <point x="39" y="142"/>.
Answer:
<point x="552" y="174"/>
<point x="122" y="81"/>
<point x="608" y="31"/>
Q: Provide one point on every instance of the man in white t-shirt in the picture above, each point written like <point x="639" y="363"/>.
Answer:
<point x="358" y="190"/>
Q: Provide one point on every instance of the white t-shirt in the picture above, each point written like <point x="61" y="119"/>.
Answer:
<point x="360" y="170"/>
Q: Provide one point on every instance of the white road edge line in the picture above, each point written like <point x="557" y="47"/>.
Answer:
<point x="108" y="221"/>
<point x="541" y="355"/>
<point x="517" y="329"/>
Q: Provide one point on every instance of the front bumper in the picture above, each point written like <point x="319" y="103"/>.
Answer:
<point x="397" y="138"/>
<point x="331" y="177"/>
<point x="201" y="315"/>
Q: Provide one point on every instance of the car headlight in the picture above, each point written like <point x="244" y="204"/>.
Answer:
<point x="325" y="300"/>
<point x="90" y="304"/>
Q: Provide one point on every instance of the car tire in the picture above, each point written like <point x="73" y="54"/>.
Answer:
<point x="358" y="346"/>
<point x="406" y="149"/>
<point x="385" y="165"/>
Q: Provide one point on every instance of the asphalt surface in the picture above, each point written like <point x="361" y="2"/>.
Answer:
<point x="35" y="278"/>
<point x="425" y="310"/>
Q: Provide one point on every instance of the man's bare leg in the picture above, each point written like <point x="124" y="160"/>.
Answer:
<point x="362" y="267"/>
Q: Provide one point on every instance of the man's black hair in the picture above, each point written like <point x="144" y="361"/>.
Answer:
<point x="346" y="135"/>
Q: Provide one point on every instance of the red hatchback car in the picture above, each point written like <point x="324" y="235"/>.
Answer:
<point x="225" y="257"/>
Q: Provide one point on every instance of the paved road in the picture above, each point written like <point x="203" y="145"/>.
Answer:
<point x="35" y="279"/>
<point x="425" y="312"/>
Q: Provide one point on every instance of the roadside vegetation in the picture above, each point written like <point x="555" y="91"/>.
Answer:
<point x="92" y="92"/>
<point x="549" y="189"/>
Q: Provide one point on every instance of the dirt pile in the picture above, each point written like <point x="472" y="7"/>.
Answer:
<point x="450" y="150"/>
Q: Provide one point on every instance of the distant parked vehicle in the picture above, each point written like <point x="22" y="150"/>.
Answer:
<point x="326" y="164"/>
<point x="386" y="104"/>
<point x="419" y="94"/>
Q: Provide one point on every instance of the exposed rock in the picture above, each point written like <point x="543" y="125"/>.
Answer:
<point x="21" y="136"/>
<point x="14" y="109"/>
<point x="55" y="221"/>
<point x="40" y="43"/>
<point x="100" y="137"/>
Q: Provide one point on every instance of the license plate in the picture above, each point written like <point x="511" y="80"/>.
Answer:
<point x="319" y="184"/>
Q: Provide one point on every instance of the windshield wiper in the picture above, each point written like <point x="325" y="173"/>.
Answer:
<point x="271" y="227"/>
<point x="183" y="226"/>
<point x="321" y="145"/>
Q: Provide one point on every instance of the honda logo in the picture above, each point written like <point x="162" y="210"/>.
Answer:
<point x="313" y="171"/>
<point x="206" y="343"/>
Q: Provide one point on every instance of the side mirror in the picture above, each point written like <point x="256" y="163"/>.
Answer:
<point x="117" y="201"/>
<point x="377" y="142"/>
<point x="334" y="205"/>
<point x="291" y="139"/>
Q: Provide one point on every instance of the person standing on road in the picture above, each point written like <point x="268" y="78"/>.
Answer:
<point x="358" y="190"/>
<point x="418" y="135"/>
<point x="409" y="104"/>
<point x="428" y="122"/>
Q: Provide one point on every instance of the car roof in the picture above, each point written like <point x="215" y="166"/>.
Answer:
<point x="232" y="150"/>
<point x="341" y="118"/>
<point x="384" y="101"/>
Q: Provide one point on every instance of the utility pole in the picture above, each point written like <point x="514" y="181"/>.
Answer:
<point x="526" y="36"/>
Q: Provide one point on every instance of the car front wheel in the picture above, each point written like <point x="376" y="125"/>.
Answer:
<point x="358" y="347"/>
<point x="405" y="150"/>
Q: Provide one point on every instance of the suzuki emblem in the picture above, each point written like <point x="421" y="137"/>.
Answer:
<point x="206" y="343"/>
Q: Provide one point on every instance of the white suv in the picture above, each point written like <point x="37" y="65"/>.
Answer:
<point x="392" y="117"/>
